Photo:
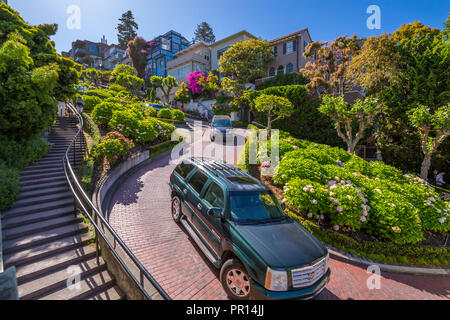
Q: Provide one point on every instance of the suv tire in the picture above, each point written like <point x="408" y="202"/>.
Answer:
<point x="176" y="209"/>
<point x="235" y="280"/>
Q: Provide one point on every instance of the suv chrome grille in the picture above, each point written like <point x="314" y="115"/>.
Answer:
<point x="307" y="276"/>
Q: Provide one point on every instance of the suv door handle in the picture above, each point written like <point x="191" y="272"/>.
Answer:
<point x="199" y="206"/>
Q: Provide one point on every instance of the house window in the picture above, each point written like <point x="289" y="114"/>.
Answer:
<point x="291" y="46"/>
<point x="289" y="68"/>
<point x="280" y="70"/>
<point x="275" y="51"/>
<point x="271" y="72"/>
<point x="221" y="51"/>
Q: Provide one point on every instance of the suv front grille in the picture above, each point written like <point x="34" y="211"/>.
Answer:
<point x="307" y="276"/>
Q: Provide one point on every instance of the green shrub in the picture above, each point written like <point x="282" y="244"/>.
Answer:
<point x="283" y="79"/>
<point x="294" y="167"/>
<point x="20" y="154"/>
<point x="165" y="113"/>
<point x="100" y="93"/>
<point x="103" y="112"/>
<point x="117" y="87"/>
<point x="113" y="146"/>
<point x="90" y="102"/>
<point x="239" y="124"/>
<point x="147" y="130"/>
<point x="113" y="99"/>
<point x="10" y="187"/>
<point x="178" y="115"/>
<point x="150" y="112"/>
<point x="126" y="122"/>
<point x="165" y="130"/>
<point x="91" y="128"/>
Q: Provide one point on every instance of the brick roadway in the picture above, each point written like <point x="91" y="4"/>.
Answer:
<point x="140" y="213"/>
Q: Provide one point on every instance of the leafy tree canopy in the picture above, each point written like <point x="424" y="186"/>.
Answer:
<point x="126" y="29"/>
<point x="204" y="33"/>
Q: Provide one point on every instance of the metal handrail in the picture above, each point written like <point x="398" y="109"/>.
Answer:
<point x="87" y="206"/>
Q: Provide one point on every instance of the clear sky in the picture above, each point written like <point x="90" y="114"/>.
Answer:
<point x="325" y="19"/>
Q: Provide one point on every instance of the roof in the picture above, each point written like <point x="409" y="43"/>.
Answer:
<point x="290" y="35"/>
<point x="192" y="47"/>
<point x="234" y="178"/>
<point x="243" y="32"/>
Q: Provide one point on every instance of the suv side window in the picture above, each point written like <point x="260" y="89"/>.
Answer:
<point x="214" y="196"/>
<point x="183" y="169"/>
<point x="198" y="180"/>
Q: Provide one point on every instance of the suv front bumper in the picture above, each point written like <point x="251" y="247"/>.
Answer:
<point x="261" y="293"/>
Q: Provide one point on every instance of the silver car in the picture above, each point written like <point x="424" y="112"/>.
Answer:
<point x="222" y="128"/>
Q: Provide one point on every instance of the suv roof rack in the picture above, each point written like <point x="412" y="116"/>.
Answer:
<point x="219" y="167"/>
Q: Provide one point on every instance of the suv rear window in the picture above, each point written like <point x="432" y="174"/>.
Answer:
<point x="183" y="169"/>
<point x="198" y="181"/>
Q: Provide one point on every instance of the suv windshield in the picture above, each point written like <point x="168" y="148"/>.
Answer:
<point x="258" y="207"/>
<point x="224" y="123"/>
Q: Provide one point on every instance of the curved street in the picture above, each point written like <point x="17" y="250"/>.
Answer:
<point x="140" y="213"/>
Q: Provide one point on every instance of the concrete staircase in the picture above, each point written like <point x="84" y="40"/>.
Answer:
<point x="46" y="240"/>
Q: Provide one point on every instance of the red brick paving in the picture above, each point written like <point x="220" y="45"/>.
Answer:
<point x="140" y="213"/>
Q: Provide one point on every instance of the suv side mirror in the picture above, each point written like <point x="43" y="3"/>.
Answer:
<point x="215" y="212"/>
<point x="283" y="205"/>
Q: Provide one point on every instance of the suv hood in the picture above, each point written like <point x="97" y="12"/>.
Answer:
<point x="282" y="245"/>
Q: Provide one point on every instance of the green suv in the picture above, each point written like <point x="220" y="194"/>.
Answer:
<point x="241" y="228"/>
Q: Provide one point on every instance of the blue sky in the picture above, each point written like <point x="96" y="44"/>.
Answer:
<point x="325" y="19"/>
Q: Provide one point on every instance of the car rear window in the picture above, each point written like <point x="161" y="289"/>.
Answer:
<point x="183" y="169"/>
<point x="198" y="181"/>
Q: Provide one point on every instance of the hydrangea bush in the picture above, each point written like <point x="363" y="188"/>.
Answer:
<point x="353" y="194"/>
<point x="112" y="146"/>
<point x="178" y="115"/>
<point x="165" y="113"/>
<point x="103" y="112"/>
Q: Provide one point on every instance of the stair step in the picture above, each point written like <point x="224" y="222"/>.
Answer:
<point x="88" y="286"/>
<point x="43" y="251"/>
<point x="37" y="227"/>
<point x="59" y="183"/>
<point x="16" y="212"/>
<point x="38" y="167"/>
<point x="54" y="262"/>
<point x="113" y="293"/>
<point x="34" y="172"/>
<point x="40" y="176"/>
<point x="43" y="237"/>
<point x="56" y="281"/>
<point x="61" y="177"/>
<point x="43" y="192"/>
<point x="42" y="199"/>
<point x="37" y="217"/>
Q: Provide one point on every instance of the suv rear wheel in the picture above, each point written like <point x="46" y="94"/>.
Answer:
<point x="176" y="209"/>
<point x="235" y="280"/>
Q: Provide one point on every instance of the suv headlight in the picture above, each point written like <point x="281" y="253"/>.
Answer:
<point x="276" y="280"/>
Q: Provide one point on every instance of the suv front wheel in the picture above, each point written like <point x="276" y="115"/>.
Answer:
<point x="176" y="209"/>
<point x="235" y="280"/>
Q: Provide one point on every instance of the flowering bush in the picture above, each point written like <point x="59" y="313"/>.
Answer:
<point x="113" y="146"/>
<point x="364" y="195"/>
<point x="178" y="115"/>
<point x="90" y="102"/>
<point x="147" y="130"/>
<point x="294" y="167"/>
<point x="126" y="122"/>
<point x="103" y="112"/>
<point x="164" y="130"/>
<point x="194" y="84"/>
<point x="165" y="113"/>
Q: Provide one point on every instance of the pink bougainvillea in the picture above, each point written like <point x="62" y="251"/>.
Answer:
<point x="193" y="82"/>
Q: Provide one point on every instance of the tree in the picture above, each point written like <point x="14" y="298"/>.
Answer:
<point x="126" y="29"/>
<point x="279" y="107"/>
<point x="434" y="128"/>
<point x="182" y="95"/>
<point x="403" y="69"/>
<point x="122" y="68"/>
<point x="245" y="61"/>
<point x="210" y="85"/>
<point x="327" y="71"/>
<point x="131" y="82"/>
<point x="204" y="33"/>
<point x="138" y="50"/>
<point x="166" y="85"/>
<point x="363" y="112"/>
<point x="92" y="75"/>
<point x="27" y="90"/>
<point x="26" y="93"/>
